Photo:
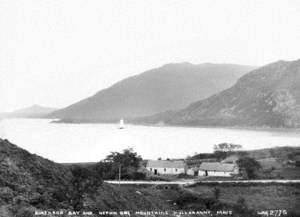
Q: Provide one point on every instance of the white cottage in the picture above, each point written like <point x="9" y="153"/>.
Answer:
<point x="172" y="167"/>
<point x="217" y="169"/>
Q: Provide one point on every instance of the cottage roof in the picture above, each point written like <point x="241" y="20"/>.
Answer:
<point x="166" y="164"/>
<point x="196" y="162"/>
<point x="216" y="166"/>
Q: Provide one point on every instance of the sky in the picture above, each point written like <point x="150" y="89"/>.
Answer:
<point x="57" y="52"/>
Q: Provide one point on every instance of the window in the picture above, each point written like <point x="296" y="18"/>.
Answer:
<point x="165" y="169"/>
<point x="176" y="170"/>
<point x="151" y="169"/>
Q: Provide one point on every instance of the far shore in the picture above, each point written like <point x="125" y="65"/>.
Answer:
<point x="254" y="128"/>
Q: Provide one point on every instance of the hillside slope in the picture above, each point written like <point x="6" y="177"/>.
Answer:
<point x="172" y="86"/>
<point x="29" y="182"/>
<point x="266" y="97"/>
<point x="34" y="111"/>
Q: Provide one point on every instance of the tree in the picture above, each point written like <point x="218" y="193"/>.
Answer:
<point x="128" y="158"/>
<point x="128" y="161"/>
<point x="226" y="147"/>
<point x="248" y="167"/>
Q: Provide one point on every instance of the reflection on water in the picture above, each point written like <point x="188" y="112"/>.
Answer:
<point x="92" y="142"/>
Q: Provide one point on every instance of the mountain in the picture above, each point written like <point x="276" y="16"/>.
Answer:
<point x="34" y="111"/>
<point x="172" y="86"/>
<point x="266" y="97"/>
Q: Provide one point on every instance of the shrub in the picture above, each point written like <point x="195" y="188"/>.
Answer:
<point x="217" y="193"/>
<point x="25" y="212"/>
<point x="85" y="180"/>
<point x="249" y="167"/>
<point x="183" y="176"/>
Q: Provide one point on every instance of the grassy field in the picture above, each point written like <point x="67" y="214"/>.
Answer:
<point x="257" y="197"/>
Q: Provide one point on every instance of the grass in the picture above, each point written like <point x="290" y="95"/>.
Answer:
<point x="257" y="197"/>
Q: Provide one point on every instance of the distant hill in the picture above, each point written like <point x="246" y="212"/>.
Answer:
<point x="172" y="86"/>
<point x="34" y="111"/>
<point x="265" y="97"/>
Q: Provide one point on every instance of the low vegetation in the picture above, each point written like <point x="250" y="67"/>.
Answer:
<point x="249" y="167"/>
<point x="256" y="196"/>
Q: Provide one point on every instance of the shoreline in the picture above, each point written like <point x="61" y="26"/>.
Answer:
<point x="253" y="128"/>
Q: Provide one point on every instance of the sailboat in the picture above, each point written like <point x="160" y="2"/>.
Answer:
<point x="122" y="125"/>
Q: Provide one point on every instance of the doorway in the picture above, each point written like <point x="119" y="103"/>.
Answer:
<point x="155" y="171"/>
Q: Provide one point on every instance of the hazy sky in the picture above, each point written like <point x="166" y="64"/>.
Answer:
<point x="57" y="52"/>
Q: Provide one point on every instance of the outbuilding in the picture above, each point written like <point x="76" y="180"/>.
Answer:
<point x="217" y="169"/>
<point x="158" y="167"/>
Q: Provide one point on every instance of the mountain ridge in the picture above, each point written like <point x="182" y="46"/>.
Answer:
<point x="34" y="111"/>
<point x="171" y="86"/>
<point x="268" y="96"/>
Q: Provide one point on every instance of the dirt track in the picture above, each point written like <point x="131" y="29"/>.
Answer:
<point x="190" y="182"/>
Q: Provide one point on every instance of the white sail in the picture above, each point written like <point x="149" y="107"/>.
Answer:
<point x="122" y="125"/>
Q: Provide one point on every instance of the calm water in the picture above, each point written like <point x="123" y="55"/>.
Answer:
<point x="92" y="142"/>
